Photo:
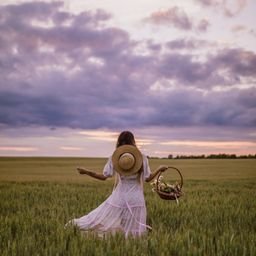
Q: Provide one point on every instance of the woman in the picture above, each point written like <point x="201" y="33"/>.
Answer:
<point x="124" y="210"/>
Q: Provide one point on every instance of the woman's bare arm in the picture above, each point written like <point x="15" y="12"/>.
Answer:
<point x="161" y="168"/>
<point x="91" y="173"/>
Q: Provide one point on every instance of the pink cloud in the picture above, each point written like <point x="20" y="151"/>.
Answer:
<point x="178" y="18"/>
<point x="71" y="148"/>
<point x="239" y="28"/>
<point x="174" y="16"/>
<point x="18" y="149"/>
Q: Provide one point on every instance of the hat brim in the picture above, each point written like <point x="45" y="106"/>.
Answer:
<point x="127" y="149"/>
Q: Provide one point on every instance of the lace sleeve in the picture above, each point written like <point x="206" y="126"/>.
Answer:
<point x="108" y="168"/>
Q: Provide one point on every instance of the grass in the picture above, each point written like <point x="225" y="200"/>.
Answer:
<point x="216" y="216"/>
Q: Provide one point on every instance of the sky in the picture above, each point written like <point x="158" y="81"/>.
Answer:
<point x="179" y="74"/>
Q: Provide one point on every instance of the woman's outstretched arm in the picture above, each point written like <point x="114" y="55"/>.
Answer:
<point x="91" y="173"/>
<point x="161" y="168"/>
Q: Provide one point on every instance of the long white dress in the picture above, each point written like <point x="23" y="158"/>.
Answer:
<point x="124" y="210"/>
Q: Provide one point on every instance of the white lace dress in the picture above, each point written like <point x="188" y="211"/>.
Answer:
<point x="124" y="210"/>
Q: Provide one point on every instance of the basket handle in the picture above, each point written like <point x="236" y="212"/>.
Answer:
<point x="176" y="169"/>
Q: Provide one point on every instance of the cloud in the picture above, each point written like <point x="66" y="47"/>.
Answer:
<point x="17" y="149"/>
<point x="189" y="43"/>
<point x="178" y="18"/>
<point x="239" y="28"/>
<point x="199" y="109"/>
<point x="76" y="71"/>
<point x="203" y="25"/>
<point x="228" y="8"/>
<point x="226" y="67"/>
<point x="174" y="16"/>
<point x="242" y="30"/>
<point x="231" y="11"/>
<point x="239" y="62"/>
<point x="70" y="148"/>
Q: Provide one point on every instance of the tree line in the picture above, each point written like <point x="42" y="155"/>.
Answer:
<point x="211" y="156"/>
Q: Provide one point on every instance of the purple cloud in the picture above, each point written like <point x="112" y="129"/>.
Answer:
<point x="238" y="62"/>
<point x="77" y="72"/>
<point x="227" y="67"/>
<point x="229" y="9"/>
<point x="189" y="43"/>
<point x="203" y="25"/>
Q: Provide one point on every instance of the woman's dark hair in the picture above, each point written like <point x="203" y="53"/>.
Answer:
<point x="125" y="138"/>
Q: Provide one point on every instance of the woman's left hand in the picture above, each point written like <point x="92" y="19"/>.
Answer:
<point x="163" y="168"/>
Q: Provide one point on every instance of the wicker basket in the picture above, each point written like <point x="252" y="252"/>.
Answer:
<point x="174" y="195"/>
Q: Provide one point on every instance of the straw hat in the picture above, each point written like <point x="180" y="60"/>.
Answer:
<point x="127" y="160"/>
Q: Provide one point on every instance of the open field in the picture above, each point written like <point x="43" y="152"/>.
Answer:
<point x="64" y="169"/>
<point x="216" y="216"/>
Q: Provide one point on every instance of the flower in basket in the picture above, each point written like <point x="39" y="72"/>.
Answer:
<point x="171" y="189"/>
<point x="153" y="184"/>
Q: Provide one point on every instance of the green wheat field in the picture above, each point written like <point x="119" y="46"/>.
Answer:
<point x="216" y="215"/>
